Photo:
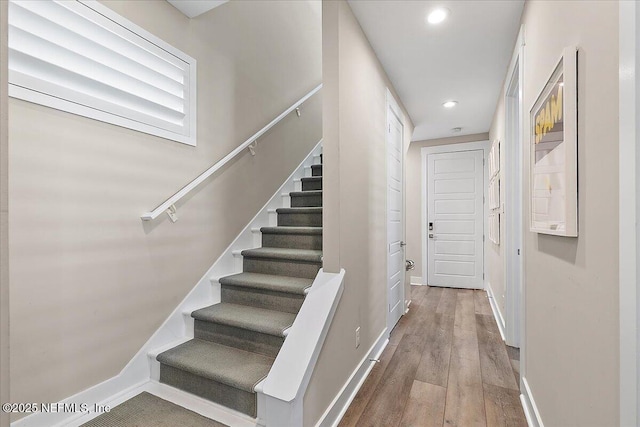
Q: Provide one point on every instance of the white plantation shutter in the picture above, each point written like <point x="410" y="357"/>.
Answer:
<point x="81" y="57"/>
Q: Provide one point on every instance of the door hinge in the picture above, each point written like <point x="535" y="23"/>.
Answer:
<point x="483" y="237"/>
<point x="482" y="276"/>
<point x="518" y="251"/>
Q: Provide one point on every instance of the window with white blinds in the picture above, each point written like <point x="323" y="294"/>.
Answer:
<point x="83" y="58"/>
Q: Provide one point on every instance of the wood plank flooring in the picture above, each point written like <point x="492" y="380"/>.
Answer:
<point x="445" y="365"/>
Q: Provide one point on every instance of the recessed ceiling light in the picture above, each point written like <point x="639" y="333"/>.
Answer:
<point x="456" y="129"/>
<point x="438" y="15"/>
<point x="450" y="104"/>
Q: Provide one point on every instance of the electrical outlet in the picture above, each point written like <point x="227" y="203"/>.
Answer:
<point x="358" y="337"/>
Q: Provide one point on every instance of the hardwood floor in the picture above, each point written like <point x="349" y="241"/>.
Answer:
<point x="445" y="365"/>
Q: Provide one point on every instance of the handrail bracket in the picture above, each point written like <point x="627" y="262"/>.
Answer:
<point x="252" y="147"/>
<point x="173" y="213"/>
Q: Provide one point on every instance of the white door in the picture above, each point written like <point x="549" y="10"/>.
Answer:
<point x="395" y="255"/>
<point x="513" y="217"/>
<point x="455" y="219"/>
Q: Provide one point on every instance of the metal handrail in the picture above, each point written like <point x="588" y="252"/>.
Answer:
<point x="168" y="205"/>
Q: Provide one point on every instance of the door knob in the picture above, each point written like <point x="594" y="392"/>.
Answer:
<point x="402" y="244"/>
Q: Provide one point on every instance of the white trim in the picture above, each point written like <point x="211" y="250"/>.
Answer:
<point x="529" y="405"/>
<point x="220" y="163"/>
<point x="513" y="272"/>
<point x="450" y="148"/>
<point x="629" y="85"/>
<point x="394" y="108"/>
<point x="174" y="328"/>
<point x="338" y="407"/>
<point x="527" y="411"/>
<point x="496" y="311"/>
<point x="110" y="392"/>
<point x="416" y="280"/>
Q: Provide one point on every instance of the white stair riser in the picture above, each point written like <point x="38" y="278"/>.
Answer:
<point x="237" y="261"/>
<point x="273" y="218"/>
<point x="154" y="365"/>
<point x="257" y="237"/>
<point x="188" y="323"/>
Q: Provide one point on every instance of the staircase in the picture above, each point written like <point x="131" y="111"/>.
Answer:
<point x="236" y="341"/>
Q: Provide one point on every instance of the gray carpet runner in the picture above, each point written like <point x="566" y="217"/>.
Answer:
<point x="147" y="410"/>
<point x="236" y="341"/>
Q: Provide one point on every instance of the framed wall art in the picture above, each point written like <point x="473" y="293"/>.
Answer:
<point x="554" y="151"/>
<point x="494" y="192"/>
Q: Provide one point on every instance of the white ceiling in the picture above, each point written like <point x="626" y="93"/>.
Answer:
<point x="193" y="8"/>
<point x="465" y="58"/>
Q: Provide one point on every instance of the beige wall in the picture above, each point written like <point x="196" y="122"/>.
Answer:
<point x="4" y="217"/>
<point x="572" y="312"/>
<point x="413" y="188"/>
<point x="355" y="150"/>
<point x="90" y="282"/>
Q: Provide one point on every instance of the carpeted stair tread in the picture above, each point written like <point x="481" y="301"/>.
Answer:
<point x="305" y="255"/>
<point x="256" y="319"/>
<point x="236" y="368"/>
<point x="311" y="183"/>
<point x="291" y="230"/>
<point x="311" y="179"/>
<point x="306" y="193"/>
<point x="311" y="210"/>
<point x="269" y="282"/>
<point x="148" y="410"/>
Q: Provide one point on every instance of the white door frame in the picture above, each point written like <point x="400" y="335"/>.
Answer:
<point x="452" y="148"/>
<point x="4" y="211"/>
<point x="512" y="206"/>
<point x="394" y="108"/>
<point x="629" y="238"/>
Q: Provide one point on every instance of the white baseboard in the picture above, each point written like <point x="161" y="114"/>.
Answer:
<point x="108" y="393"/>
<point x="529" y="405"/>
<point x="416" y="280"/>
<point x="205" y="292"/>
<point x="334" y="413"/>
<point x="496" y="311"/>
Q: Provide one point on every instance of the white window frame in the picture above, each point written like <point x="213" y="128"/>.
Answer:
<point x="188" y="136"/>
